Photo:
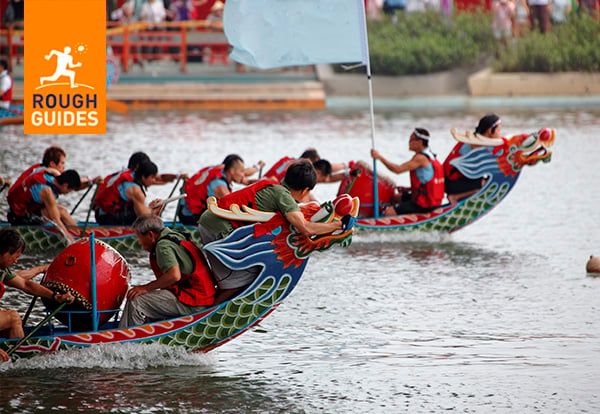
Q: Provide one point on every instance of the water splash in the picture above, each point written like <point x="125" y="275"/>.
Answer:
<point x="122" y="356"/>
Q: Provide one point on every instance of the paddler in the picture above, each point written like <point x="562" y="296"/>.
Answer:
<point x="270" y="196"/>
<point x="34" y="201"/>
<point x="426" y="177"/>
<point x="12" y="246"/>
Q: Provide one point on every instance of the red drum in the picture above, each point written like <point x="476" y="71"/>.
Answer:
<point x="71" y="272"/>
<point x="360" y="184"/>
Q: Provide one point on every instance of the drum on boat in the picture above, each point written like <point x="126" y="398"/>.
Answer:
<point x="71" y="271"/>
<point x="360" y="184"/>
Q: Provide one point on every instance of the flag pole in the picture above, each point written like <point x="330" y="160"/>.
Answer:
<point x="365" y="46"/>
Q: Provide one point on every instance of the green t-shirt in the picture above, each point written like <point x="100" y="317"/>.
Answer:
<point x="169" y="254"/>
<point x="7" y="274"/>
<point x="270" y="199"/>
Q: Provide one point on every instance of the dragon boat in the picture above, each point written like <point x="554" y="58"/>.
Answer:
<point x="499" y="160"/>
<point x="122" y="238"/>
<point x="273" y="245"/>
<point x="12" y="116"/>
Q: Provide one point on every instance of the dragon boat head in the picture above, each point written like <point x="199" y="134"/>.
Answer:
<point x="513" y="153"/>
<point x="288" y="244"/>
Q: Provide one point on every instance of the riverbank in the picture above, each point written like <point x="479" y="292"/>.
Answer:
<point x="160" y="85"/>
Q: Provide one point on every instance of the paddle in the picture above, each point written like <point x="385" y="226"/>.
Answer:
<point x="60" y="230"/>
<point x="3" y="187"/>
<point x="37" y="328"/>
<point x="82" y="197"/>
<point x="29" y="309"/>
<point x="172" y="191"/>
<point x="87" y="218"/>
<point x="353" y="173"/>
<point x="168" y="200"/>
<point x="117" y="106"/>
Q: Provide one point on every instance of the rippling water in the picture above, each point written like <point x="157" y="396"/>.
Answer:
<point x="498" y="317"/>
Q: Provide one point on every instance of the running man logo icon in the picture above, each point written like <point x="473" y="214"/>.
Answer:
<point x="64" y="64"/>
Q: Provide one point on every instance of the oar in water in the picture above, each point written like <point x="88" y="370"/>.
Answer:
<point x="3" y="187"/>
<point x="82" y="197"/>
<point x="60" y="230"/>
<point x="37" y="328"/>
<point x="87" y="218"/>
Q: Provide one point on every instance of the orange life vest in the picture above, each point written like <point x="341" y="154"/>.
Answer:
<point x="193" y="289"/>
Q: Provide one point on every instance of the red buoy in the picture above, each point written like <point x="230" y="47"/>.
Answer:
<point x="71" y="272"/>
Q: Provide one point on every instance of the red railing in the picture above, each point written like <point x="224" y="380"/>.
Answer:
<point x="140" y="42"/>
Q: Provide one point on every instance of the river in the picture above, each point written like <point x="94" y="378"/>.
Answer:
<point x="498" y="317"/>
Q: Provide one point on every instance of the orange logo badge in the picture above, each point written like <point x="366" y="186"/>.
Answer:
<point x="65" y="70"/>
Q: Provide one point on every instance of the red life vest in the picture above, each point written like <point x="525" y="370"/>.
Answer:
<point x="2" y="290"/>
<point x="450" y="171"/>
<point x="247" y="197"/>
<point x="193" y="289"/>
<point x="23" y="176"/>
<point x="196" y="188"/>
<point x="277" y="172"/>
<point x="109" y="198"/>
<point x="431" y="193"/>
<point x="21" y="200"/>
<point x="7" y="95"/>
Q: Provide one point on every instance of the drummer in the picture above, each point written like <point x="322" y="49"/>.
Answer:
<point x="426" y="177"/>
<point x="12" y="246"/>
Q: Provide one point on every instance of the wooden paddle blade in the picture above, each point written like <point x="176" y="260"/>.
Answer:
<point x="117" y="106"/>
<point x="475" y="139"/>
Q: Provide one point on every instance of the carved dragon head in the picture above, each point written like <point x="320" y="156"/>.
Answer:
<point x="513" y="153"/>
<point x="288" y="245"/>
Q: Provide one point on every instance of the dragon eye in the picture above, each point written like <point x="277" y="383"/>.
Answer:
<point x="529" y="141"/>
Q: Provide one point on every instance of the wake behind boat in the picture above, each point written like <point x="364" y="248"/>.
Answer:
<point x="499" y="160"/>
<point x="281" y="252"/>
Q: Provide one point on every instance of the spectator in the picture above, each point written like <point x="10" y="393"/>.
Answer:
<point x="539" y="11"/>
<point x="6" y="85"/>
<point x="560" y="10"/>
<point x="152" y="12"/>
<point x="591" y="7"/>
<point x="521" y="20"/>
<point x="503" y="11"/>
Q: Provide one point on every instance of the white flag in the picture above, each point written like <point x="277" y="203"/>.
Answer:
<point x="275" y="33"/>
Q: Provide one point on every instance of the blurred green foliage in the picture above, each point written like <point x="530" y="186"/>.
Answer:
<point x="421" y="43"/>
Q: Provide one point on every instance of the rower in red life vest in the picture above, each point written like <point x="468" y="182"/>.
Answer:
<point x="457" y="185"/>
<point x="426" y="177"/>
<point x="34" y="201"/>
<point x="183" y="282"/>
<point x="213" y="181"/>
<point x="53" y="161"/>
<point x="6" y="85"/>
<point x="270" y="196"/>
<point x="123" y="198"/>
